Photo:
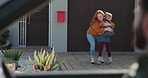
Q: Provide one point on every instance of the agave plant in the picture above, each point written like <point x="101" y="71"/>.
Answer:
<point x="14" y="55"/>
<point x="45" y="61"/>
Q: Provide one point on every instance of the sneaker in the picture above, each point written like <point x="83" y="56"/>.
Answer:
<point x="99" y="60"/>
<point x="92" y="61"/>
<point x="102" y="60"/>
<point x="110" y="60"/>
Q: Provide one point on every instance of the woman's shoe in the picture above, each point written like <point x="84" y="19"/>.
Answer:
<point x="92" y="61"/>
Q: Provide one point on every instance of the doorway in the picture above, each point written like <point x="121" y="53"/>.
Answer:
<point x="37" y="28"/>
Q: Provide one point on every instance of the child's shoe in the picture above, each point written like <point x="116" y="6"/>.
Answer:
<point x="92" y="61"/>
<point x="99" y="60"/>
<point x="110" y="60"/>
<point x="102" y="60"/>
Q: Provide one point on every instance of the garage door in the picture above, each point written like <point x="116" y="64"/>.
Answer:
<point x="80" y="13"/>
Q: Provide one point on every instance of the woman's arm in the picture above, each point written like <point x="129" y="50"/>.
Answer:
<point x="112" y="25"/>
<point x="96" y="27"/>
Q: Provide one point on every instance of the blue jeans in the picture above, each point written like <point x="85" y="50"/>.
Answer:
<point x="91" y="40"/>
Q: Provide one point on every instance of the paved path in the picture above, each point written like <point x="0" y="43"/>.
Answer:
<point x="81" y="61"/>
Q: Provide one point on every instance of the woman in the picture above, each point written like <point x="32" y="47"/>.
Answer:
<point x="94" y="31"/>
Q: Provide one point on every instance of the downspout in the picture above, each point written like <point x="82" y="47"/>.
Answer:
<point x="50" y="27"/>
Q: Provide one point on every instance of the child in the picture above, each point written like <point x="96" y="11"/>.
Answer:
<point x="108" y="23"/>
<point x="105" y="38"/>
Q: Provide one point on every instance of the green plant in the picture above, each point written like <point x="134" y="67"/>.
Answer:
<point x="3" y="37"/>
<point x="45" y="61"/>
<point x="14" y="55"/>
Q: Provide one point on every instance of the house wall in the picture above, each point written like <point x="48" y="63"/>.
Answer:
<point x="13" y="34"/>
<point x="59" y="30"/>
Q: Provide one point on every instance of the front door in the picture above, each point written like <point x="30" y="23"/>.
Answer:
<point x="37" y="28"/>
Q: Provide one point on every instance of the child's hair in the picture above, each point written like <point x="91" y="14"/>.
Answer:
<point x="109" y="14"/>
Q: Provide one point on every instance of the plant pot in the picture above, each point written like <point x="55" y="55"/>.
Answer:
<point x="11" y="67"/>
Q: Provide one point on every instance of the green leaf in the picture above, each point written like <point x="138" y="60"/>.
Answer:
<point x="46" y="58"/>
<point x="3" y="52"/>
<point x="47" y="62"/>
<point x="53" y="65"/>
<point x="55" y="68"/>
<point x="44" y="52"/>
<point x="51" y="57"/>
<point x="19" y="55"/>
<point x="35" y="53"/>
<point x="16" y="56"/>
<point x="30" y="60"/>
<point x="6" y="53"/>
<point x="55" y="58"/>
<point x="61" y="63"/>
<point x="36" y="58"/>
<point x="9" y="55"/>
<point x="41" y="67"/>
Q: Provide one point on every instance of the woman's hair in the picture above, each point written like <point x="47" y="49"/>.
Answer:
<point x="94" y="19"/>
<point x="140" y="38"/>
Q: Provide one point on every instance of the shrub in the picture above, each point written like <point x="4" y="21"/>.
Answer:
<point x="3" y="37"/>
<point x="14" y="55"/>
<point x="45" y="61"/>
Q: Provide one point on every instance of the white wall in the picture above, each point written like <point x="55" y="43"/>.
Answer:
<point x="13" y="34"/>
<point x="59" y="29"/>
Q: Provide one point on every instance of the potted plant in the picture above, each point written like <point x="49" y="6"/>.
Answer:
<point x="4" y="43"/>
<point x="12" y="56"/>
<point x="10" y="64"/>
<point x="43" y="61"/>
